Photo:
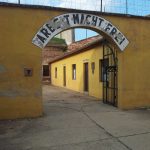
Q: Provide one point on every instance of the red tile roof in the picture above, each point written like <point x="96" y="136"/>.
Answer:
<point x="80" y="46"/>
<point x="82" y="43"/>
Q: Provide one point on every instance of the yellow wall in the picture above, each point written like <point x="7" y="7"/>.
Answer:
<point x="21" y="96"/>
<point x="133" y="63"/>
<point x="93" y="55"/>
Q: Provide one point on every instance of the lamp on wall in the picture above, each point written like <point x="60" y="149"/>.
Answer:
<point x="93" y="67"/>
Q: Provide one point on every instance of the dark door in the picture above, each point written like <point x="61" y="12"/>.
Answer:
<point x="45" y="70"/>
<point x="64" y="73"/>
<point x="86" y="77"/>
<point x="110" y="69"/>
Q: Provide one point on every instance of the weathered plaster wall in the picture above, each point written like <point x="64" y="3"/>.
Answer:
<point x="134" y="64"/>
<point x="21" y="96"/>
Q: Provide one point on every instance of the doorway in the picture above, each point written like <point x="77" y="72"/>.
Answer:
<point x="64" y="74"/>
<point x="86" y="77"/>
<point x="109" y="71"/>
<point x="46" y="70"/>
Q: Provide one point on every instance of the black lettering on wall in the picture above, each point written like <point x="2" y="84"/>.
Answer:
<point x="122" y="41"/>
<point x="108" y="27"/>
<point x="87" y="21"/>
<point x="94" y="20"/>
<point x="119" y="38"/>
<point x="82" y="18"/>
<point x="100" y="21"/>
<point x="116" y="39"/>
<point x="45" y="32"/>
<point x="113" y="31"/>
<point x="67" y="18"/>
<point x="41" y="38"/>
<point x="55" y="22"/>
<point x="50" y="28"/>
<point x="76" y="18"/>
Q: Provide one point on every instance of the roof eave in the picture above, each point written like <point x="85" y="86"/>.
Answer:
<point x="80" y="50"/>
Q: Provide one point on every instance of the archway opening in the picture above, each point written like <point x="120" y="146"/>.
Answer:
<point x="111" y="39"/>
<point x="91" y="52"/>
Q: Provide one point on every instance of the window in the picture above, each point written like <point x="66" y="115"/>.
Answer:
<point x="103" y="63"/>
<point x="55" y="72"/>
<point x="45" y="70"/>
<point x="74" y="72"/>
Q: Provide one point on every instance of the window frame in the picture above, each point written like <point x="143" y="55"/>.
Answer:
<point x="56" y="72"/>
<point x="74" y="71"/>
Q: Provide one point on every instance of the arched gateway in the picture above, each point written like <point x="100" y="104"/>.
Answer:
<point x="107" y="29"/>
<point x="72" y="20"/>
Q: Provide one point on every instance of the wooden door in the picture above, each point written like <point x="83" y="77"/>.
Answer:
<point x="86" y="77"/>
<point x="64" y="74"/>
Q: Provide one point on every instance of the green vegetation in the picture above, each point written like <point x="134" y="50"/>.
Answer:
<point x="58" y="41"/>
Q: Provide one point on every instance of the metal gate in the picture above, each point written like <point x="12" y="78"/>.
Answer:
<point x="109" y="73"/>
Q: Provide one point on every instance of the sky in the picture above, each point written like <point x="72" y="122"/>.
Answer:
<point x="134" y="7"/>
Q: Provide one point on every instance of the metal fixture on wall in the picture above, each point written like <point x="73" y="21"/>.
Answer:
<point x="28" y="72"/>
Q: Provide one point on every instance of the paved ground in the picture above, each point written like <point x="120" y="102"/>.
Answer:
<point x="73" y="121"/>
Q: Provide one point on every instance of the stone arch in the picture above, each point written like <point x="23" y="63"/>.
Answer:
<point x="83" y="20"/>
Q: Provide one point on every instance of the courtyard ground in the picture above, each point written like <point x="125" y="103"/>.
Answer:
<point x="74" y="121"/>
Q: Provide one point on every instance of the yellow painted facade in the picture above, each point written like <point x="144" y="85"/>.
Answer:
<point x="92" y="55"/>
<point x="20" y="96"/>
